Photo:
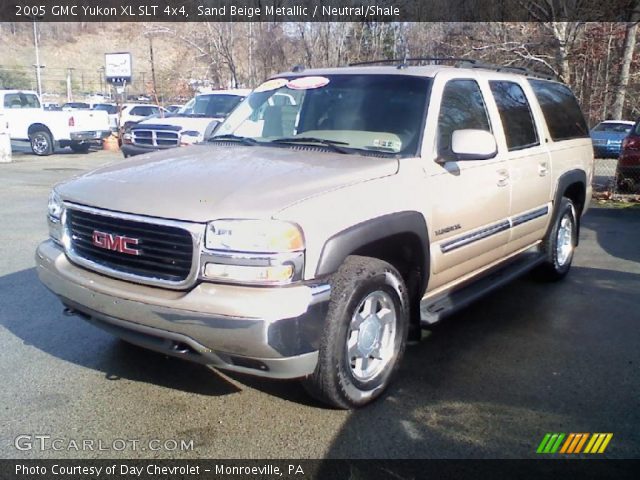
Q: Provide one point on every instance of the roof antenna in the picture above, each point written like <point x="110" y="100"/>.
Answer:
<point x="297" y="68"/>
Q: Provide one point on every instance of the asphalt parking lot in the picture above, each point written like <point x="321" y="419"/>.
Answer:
<point x="489" y="382"/>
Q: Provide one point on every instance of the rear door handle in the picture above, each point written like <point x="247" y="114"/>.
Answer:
<point x="542" y="169"/>
<point x="503" y="178"/>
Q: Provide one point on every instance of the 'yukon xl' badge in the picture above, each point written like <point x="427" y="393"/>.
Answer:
<point x="116" y="243"/>
<point x="450" y="228"/>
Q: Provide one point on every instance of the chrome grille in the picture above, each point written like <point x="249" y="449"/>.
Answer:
<point x="155" y="138"/>
<point x="165" y="252"/>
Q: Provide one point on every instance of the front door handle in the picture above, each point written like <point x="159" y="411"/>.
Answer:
<point x="503" y="178"/>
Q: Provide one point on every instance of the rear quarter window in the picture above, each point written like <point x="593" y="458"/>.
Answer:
<point x="560" y="109"/>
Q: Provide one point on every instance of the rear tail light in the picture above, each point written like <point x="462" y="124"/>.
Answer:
<point x="72" y="122"/>
<point x="631" y="143"/>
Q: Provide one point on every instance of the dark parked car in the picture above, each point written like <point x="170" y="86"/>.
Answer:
<point x="607" y="137"/>
<point x="628" y="171"/>
<point x="76" y="106"/>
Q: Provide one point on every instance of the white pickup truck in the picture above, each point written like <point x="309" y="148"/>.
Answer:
<point x="45" y="129"/>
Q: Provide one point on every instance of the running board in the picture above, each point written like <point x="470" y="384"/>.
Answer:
<point x="435" y="309"/>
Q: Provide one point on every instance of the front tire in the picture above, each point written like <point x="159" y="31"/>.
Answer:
<point x="41" y="143"/>
<point x="559" y="244"/>
<point x="364" y="335"/>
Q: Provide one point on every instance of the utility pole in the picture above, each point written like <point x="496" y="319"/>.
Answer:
<point x="69" y="89"/>
<point x="38" y="81"/>
<point x="153" y="69"/>
<point x="38" y="66"/>
<point x="144" y="84"/>
<point x="100" y="77"/>
<point x="251" y="80"/>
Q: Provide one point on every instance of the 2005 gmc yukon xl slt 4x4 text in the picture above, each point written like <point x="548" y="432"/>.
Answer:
<point x="313" y="235"/>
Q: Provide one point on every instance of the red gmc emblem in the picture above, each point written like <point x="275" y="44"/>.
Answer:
<point x="117" y="243"/>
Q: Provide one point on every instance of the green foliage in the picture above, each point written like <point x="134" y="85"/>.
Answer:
<point x="14" y="79"/>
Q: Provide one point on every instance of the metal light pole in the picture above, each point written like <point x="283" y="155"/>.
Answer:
<point x="69" y="87"/>
<point x="35" y="41"/>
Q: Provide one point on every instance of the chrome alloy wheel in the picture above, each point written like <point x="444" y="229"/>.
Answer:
<point x="564" y="239"/>
<point x="40" y="143"/>
<point x="371" y="336"/>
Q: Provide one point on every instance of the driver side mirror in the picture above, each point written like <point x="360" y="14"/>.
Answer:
<point x="208" y="132"/>
<point x="471" y="144"/>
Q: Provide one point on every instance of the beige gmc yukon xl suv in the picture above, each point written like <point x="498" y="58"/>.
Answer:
<point x="331" y="216"/>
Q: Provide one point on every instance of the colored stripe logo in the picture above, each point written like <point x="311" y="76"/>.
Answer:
<point x="573" y="443"/>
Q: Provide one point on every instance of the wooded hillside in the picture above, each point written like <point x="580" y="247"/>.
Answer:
<point x="596" y="59"/>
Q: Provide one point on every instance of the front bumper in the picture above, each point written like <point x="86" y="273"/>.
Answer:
<point x="129" y="149"/>
<point x="270" y="332"/>
<point x="90" y="135"/>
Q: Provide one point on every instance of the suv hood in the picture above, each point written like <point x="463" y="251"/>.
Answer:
<point x="198" y="124"/>
<point x="204" y="182"/>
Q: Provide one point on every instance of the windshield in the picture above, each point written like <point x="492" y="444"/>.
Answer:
<point x="377" y="113"/>
<point x="213" y="106"/>
<point x="613" y="127"/>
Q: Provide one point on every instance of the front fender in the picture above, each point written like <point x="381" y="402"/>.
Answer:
<point x="338" y="247"/>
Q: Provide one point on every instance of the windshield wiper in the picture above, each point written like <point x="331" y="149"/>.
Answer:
<point x="333" y="145"/>
<point x="234" y="138"/>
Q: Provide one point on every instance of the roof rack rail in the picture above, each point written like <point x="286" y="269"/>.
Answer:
<point x="527" y="72"/>
<point x="461" y="62"/>
<point x="401" y="62"/>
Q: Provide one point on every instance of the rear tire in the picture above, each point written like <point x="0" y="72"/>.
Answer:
<point x="41" y="143"/>
<point x="559" y="244"/>
<point x="364" y="335"/>
<point x="626" y="184"/>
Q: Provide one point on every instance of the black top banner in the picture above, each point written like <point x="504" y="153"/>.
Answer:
<point x="317" y="10"/>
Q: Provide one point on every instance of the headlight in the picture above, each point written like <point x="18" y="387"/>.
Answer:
<point x="55" y="206"/>
<point x="262" y="236"/>
<point x="189" y="137"/>
<point x="258" y="252"/>
<point x="55" y="218"/>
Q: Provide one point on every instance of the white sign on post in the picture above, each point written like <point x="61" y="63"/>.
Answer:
<point x="117" y="67"/>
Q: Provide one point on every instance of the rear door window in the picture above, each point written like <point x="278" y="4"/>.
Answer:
<point x="560" y="109"/>
<point x="515" y="113"/>
<point x="21" y="100"/>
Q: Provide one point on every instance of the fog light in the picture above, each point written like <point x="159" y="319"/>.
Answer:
<point x="249" y="274"/>
<point x="56" y="230"/>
